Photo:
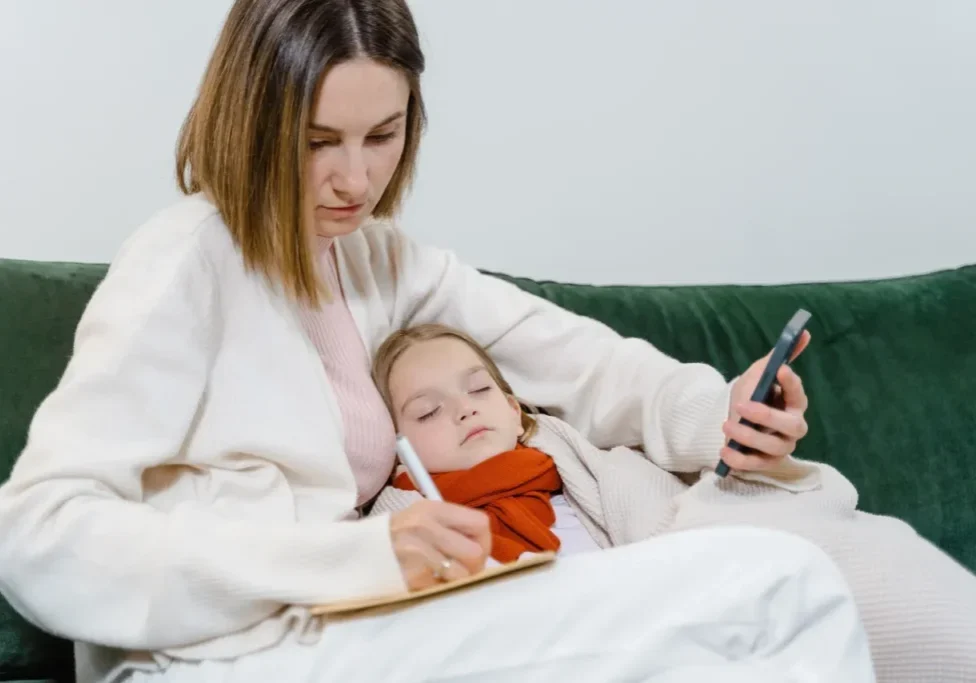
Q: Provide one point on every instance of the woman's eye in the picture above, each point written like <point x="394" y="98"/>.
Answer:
<point x="381" y="137"/>
<point x="481" y="390"/>
<point x="376" y="139"/>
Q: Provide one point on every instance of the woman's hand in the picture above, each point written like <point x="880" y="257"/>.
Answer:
<point x="436" y="542"/>
<point x="779" y="426"/>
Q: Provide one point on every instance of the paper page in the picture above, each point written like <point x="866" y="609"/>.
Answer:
<point x="526" y="561"/>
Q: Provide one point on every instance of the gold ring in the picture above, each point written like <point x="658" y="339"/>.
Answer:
<point x="440" y="572"/>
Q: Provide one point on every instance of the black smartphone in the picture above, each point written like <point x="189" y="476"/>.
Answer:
<point x="765" y="390"/>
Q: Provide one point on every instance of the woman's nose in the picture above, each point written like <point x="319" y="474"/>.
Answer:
<point x="351" y="181"/>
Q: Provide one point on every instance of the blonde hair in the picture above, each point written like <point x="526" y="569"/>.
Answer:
<point x="245" y="139"/>
<point x="397" y="343"/>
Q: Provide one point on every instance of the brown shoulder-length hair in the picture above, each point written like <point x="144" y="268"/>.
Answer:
<point x="244" y="142"/>
<point x="397" y="343"/>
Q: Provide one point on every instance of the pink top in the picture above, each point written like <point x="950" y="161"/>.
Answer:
<point x="370" y="437"/>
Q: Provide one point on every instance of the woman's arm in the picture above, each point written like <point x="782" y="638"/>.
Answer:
<point x="615" y="391"/>
<point x="82" y="556"/>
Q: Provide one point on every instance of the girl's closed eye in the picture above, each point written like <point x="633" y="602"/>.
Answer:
<point x="481" y="390"/>
<point x="428" y="415"/>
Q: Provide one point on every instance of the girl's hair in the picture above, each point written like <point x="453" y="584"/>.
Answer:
<point x="245" y="140"/>
<point x="401" y="340"/>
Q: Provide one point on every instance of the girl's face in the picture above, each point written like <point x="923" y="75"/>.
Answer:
<point x="356" y="139"/>
<point x="447" y="404"/>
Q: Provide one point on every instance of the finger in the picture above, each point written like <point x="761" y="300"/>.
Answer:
<point x="443" y="568"/>
<point x="790" y="424"/>
<point x="794" y="395"/>
<point x="802" y="343"/>
<point x="428" y="566"/>
<point x="455" y="546"/>
<point x="767" y="444"/>
<point x="747" y="463"/>
<point x="470" y="522"/>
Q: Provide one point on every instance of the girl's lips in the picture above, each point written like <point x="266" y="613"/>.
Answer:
<point x="473" y="433"/>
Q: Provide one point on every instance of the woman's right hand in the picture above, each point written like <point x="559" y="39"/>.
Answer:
<point x="436" y="542"/>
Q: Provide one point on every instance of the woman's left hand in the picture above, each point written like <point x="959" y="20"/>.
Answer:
<point x="780" y="426"/>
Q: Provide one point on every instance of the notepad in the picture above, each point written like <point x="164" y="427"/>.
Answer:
<point x="403" y="599"/>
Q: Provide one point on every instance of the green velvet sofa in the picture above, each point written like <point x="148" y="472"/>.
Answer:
<point x="891" y="376"/>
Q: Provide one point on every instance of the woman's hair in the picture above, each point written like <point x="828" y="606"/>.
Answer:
<point x="401" y="340"/>
<point x="245" y="140"/>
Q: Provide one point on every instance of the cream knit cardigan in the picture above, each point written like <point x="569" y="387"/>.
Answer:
<point x="919" y="606"/>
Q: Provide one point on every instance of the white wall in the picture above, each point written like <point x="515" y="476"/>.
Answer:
<point x="646" y="142"/>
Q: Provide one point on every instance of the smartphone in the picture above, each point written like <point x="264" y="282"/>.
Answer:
<point x="765" y="390"/>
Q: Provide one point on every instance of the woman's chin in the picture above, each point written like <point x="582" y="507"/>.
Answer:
<point x="333" y="228"/>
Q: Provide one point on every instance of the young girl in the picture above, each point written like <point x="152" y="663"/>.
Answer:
<point x="448" y="397"/>
<point x="546" y="487"/>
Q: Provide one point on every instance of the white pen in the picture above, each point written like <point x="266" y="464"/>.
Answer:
<point x="419" y="473"/>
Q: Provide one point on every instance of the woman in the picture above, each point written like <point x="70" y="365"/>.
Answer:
<point x="194" y="483"/>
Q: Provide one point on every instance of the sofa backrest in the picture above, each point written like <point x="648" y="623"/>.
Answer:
<point x="40" y="304"/>
<point x="890" y="373"/>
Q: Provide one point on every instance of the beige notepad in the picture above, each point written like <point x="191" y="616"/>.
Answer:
<point x="488" y="574"/>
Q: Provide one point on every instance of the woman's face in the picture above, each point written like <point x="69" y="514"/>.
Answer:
<point x="356" y="139"/>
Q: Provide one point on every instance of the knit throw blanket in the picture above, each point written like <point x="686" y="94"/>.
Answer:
<point x="514" y="489"/>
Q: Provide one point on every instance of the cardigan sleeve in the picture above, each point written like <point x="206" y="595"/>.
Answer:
<point x="615" y="391"/>
<point x="83" y="557"/>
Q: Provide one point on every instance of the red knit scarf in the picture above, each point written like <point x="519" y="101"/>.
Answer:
<point x="514" y="488"/>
